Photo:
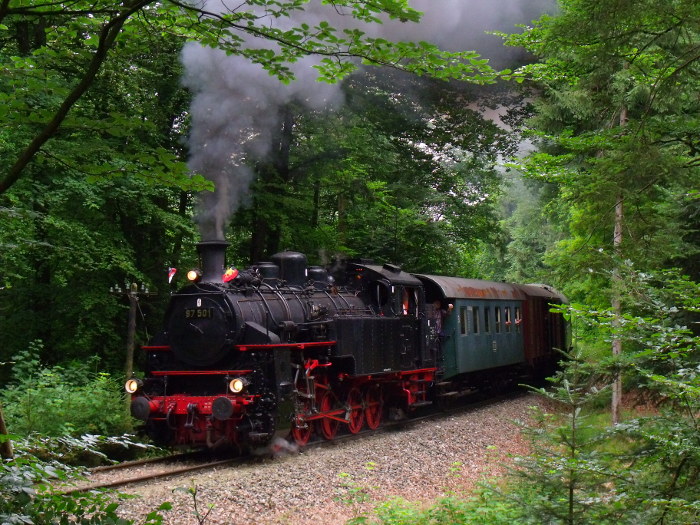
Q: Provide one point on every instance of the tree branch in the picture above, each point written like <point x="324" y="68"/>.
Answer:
<point x="108" y="35"/>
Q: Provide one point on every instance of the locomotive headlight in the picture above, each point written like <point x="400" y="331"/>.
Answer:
<point x="133" y="385"/>
<point x="194" y="275"/>
<point x="237" y="385"/>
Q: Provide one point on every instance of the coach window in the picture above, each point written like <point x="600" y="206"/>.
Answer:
<point x="487" y="314"/>
<point x="498" y="319"/>
<point x="518" y="319"/>
<point x="475" y="319"/>
<point x="508" y="319"/>
<point x="463" y="321"/>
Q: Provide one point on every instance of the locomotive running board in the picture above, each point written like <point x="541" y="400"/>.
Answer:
<point x="298" y="346"/>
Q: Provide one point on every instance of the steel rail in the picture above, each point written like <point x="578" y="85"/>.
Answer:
<point x="151" y="476"/>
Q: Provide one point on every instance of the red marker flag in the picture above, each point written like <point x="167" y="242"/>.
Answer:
<point x="171" y="274"/>
<point x="230" y="275"/>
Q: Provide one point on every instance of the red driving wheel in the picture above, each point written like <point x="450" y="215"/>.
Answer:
<point x="374" y="405"/>
<point x="328" y="426"/>
<point x="356" y="411"/>
<point x="302" y="429"/>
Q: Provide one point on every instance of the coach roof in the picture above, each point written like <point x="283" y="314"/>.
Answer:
<point x="459" y="288"/>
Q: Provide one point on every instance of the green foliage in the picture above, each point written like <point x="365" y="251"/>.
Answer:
<point x="613" y="121"/>
<point x="485" y="506"/>
<point x="57" y="400"/>
<point x="349" y="492"/>
<point x="529" y="229"/>
<point x="644" y="470"/>
<point x="64" y="243"/>
<point x="665" y="457"/>
<point x="28" y="497"/>
<point x="83" y="450"/>
<point x="567" y="468"/>
<point x="52" y="64"/>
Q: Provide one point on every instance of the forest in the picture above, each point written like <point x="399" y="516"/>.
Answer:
<point x="556" y="144"/>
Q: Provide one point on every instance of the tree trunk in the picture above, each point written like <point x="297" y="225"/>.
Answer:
<point x="617" y="297"/>
<point x="341" y="229"/>
<point x="5" y="446"/>
<point x="315" y="215"/>
<point x="266" y="233"/>
<point x="258" y="238"/>
<point x="617" y="312"/>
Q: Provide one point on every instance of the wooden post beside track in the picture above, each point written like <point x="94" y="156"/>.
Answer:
<point x="132" y="293"/>
<point x="133" y="296"/>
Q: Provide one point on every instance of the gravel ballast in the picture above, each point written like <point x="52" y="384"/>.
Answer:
<point x="339" y="481"/>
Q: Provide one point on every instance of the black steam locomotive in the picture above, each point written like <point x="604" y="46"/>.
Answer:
<point x="282" y="349"/>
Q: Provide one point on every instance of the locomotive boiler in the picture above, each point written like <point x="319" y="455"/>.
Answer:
<point x="283" y="349"/>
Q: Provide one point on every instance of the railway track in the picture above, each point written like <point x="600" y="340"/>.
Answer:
<point x="203" y="462"/>
<point x="167" y="471"/>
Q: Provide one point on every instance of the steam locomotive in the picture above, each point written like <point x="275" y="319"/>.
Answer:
<point x="286" y="350"/>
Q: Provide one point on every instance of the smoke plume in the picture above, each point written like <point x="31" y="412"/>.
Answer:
<point x="236" y="103"/>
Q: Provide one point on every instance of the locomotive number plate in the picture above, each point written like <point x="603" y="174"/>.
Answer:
<point x="199" y="313"/>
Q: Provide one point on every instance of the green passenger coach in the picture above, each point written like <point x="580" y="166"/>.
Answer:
<point x="487" y="327"/>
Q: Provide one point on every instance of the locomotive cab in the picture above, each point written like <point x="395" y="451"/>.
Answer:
<point x="392" y="337"/>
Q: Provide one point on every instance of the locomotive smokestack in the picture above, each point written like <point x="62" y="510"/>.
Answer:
<point x="212" y="259"/>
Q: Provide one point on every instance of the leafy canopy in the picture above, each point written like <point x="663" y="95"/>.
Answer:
<point x="52" y="53"/>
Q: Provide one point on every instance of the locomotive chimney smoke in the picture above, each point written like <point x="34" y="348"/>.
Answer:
<point x="212" y="257"/>
<point x="236" y="105"/>
<point x="235" y="113"/>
